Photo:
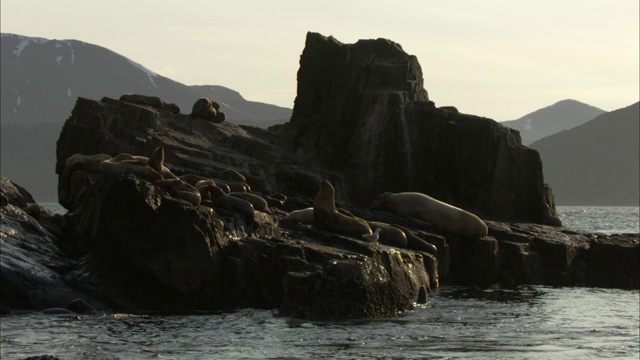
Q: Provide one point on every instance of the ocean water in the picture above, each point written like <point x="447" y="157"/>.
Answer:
<point x="528" y="322"/>
<point x="604" y="219"/>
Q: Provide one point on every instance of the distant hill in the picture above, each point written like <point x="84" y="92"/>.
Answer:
<point x="596" y="163"/>
<point x="563" y="115"/>
<point x="41" y="80"/>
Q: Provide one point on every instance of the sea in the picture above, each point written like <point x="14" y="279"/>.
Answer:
<point x="525" y="322"/>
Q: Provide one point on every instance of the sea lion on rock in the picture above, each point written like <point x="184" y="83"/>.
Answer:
<point x="207" y="109"/>
<point x="191" y="179"/>
<point x="180" y="189"/>
<point x="231" y="203"/>
<point x="155" y="161"/>
<point x="88" y="163"/>
<point x="152" y="101"/>
<point x="232" y="175"/>
<point x="414" y="242"/>
<point x="258" y="202"/>
<point x="235" y="186"/>
<point x="205" y="186"/>
<point x="447" y="217"/>
<point x="326" y="214"/>
<point x="304" y="216"/>
<point x="136" y="167"/>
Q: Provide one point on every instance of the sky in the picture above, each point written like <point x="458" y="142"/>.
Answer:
<point x="499" y="59"/>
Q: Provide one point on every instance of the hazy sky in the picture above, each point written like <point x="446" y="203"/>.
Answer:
<point x="495" y="58"/>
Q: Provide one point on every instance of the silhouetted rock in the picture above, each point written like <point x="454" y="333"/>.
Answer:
<point x="135" y="247"/>
<point x="362" y="111"/>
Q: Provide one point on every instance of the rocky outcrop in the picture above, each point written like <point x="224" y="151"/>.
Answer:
<point x="136" y="247"/>
<point x="362" y="111"/>
<point x="32" y="264"/>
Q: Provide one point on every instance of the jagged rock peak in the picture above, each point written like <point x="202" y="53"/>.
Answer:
<point x="362" y="111"/>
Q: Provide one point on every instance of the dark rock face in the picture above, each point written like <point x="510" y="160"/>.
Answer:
<point x="31" y="262"/>
<point x="362" y="111"/>
<point x="165" y="254"/>
<point x="192" y="145"/>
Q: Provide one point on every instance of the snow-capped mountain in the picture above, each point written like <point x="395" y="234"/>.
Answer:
<point x="41" y="80"/>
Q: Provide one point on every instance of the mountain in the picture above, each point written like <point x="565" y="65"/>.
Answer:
<point x="42" y="78"/>
<point x="596" y="163"/>
<point x="563" y="115"/>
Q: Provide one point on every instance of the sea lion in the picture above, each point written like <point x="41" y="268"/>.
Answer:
<point x="191" y="179"/>
<point x="203" y="181"/>
<point x="180" y="189"/>
<point x="304" y="216"/>
<point x="220" y="116"/>
<point x="204" y="109"/>
<point x="414" y="242"/>
<point x="205" y="186"/>
<point x="88" y="163"/>
<point x="235" y="186"/>
<point x="231" y="203"/>
<point x="390" y="235"/>
<point x="258" y="202"/>
<point x="155" y="161"/>
<point x="447" y="217"/>
<point x="326" y="214"/>
<point x="152" y="101"/>
<point x="137" y="167"/>
<point x="232" y="175"/>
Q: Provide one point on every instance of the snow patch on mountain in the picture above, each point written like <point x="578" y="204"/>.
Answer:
<point x="150" y="74"/>
<point x="24" y="42"/>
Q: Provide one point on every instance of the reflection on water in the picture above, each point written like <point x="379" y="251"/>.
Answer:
<point x="457" y="322"/>
<point x="604" y="219"/>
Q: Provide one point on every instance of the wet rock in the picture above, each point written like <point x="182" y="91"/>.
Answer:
<point x="32" y="267"/>
<point x="614" y="261"/>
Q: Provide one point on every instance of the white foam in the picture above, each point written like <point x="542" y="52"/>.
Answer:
<point x="58" y="59"/>
<point x="68" y="92"/>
